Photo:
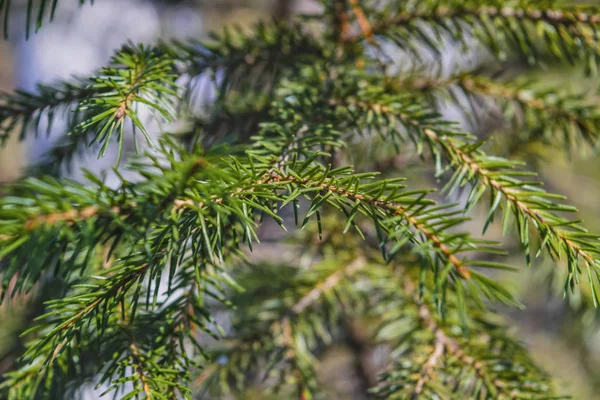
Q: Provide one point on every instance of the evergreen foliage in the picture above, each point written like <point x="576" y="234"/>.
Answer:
<point x="146" y="276"/>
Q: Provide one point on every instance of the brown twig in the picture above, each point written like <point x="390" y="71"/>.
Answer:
<point x="329" y="283"/>
<point x="363" y="22"/>
<point x="432" y="361"/>
<point x="342" y="24"/>
<point x="69" y="216"/>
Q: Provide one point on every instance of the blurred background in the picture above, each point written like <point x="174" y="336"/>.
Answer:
<point x="564" y="338"/>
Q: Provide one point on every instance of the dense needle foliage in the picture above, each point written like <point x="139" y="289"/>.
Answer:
<point x="146" y="289"/>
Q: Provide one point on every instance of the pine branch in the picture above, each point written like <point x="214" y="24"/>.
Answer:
<point x="327" y="285"/>
<point x="134" y="267"/>
<point x="439" y="11"/>
<point x="163" y="356"/>
<point x="569" y="239"/>
<point x="432" y="362"/>
<point x="398" y="216"/>
<point x="56" y="211"/>
<point x="445" y="344"/>
<point x="328" y="187"/>
<point x="144" y="77"/>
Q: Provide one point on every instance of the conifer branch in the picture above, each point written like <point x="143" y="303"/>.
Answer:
<point x="99" y="106"/>
<point x="566" y="31"/>
<point x="574" y="243"/>
<point x="440" y="346"/>
<point x="25" y="110"/>
<point x="528" y="204"/>
<point x="36" y="13"/>
<point x="397" y="209"/>
<point x="244" y="63"/>
<point x="444" y="344"/>
<point x="138" y="76"/>
<point x="327" y="285"/>
<point x="546" y="113"/>
<point x="439" y="11"/>
<point x="146" y="267"/>
<point x="432" y="362"/>
<point x="105" y="296"/>
<point x="234" y="51"/>
<point x="281" y="330"/>
<point x="146" y="79"/>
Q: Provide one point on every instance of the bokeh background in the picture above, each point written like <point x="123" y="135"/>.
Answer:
<point x="563" y="337"/>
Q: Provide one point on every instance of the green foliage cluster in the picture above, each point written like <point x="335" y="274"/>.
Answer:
<point x="146" y="273"/>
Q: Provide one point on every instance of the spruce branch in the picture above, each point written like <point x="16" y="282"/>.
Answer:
<point x="138" y="76"/>
<point x="294" y="319"/>
<point x="567" y="32"/>
<point x="134" y="267"/>
<point x="559" y="236"/>
<point x="153" y="327"/>
<point x="327" y="285"/>
<point x="236" y="60"/>
<point x="438" y="11"/>
<point x="99" y="107"/>
<point x="395" y="208"/>
<point x="525" y="202"/>
<point x="482" y="356"/>
<point x="135" y="357"/>
<point x="149" y="266"/>
<point x="141" y="77"/>
<point x="36" y="13"/>
<point x="399" y="216"/>
<point x="444" y="344"/>
<point x="25" y="110"/>
<point x="538" y="114"/>
<point x="51" y="213"/>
